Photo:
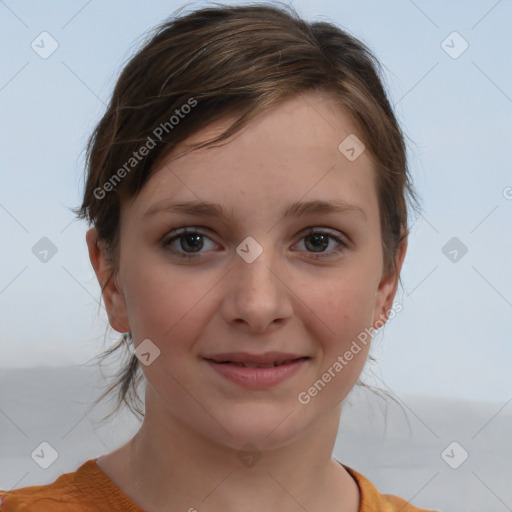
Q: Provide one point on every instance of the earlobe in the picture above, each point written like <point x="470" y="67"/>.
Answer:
<point x="113" y="298"/>
<point x="387" y="288"/>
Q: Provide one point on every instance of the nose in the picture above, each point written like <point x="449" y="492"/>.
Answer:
<point x="257" y="297"/>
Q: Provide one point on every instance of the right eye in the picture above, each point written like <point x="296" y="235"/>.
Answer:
<point x="186" y="242"/>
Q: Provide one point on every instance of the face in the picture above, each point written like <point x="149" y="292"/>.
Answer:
<point x="275" y="274"/>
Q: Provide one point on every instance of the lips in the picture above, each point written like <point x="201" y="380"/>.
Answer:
<point x="253" y="365"/>
<point x="256" y="371"/>
<point x="247" y="360"/>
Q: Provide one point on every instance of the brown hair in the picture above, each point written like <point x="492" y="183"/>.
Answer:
<point x="232" y="61"/>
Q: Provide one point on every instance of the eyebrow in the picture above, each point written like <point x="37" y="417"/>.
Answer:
<point x="297" y="209"/>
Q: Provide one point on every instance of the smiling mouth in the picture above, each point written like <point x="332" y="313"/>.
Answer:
<point x="256" y="371"/>
<point x="254" y="365"/>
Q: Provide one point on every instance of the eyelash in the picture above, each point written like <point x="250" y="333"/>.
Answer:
<point x="181" y="232"/>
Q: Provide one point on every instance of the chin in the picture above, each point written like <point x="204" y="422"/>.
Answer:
<point x="266" y="427"/>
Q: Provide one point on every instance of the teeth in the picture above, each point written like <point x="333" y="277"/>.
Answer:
<point x="254" y="365"/>
<point x="269" y="365"/>
<point x="248" y="365"/>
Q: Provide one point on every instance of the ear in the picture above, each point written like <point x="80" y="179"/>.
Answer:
<point x="386" y="290"/>
<point x="112" y="295"/>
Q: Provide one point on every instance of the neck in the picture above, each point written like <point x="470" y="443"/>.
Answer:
<point x="169" y="466"/>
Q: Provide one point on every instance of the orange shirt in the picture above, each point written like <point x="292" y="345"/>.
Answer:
<point x="89" y="489"/>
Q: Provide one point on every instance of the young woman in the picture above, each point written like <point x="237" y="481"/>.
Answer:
<point x="247" y="191"/>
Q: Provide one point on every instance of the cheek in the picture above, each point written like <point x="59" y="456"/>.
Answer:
<point x="160" y="302"/>
<point x="347" y="312"/>
<point x="346" y="307"/>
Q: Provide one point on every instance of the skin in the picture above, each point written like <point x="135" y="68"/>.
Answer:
<point x="289" y="299"/>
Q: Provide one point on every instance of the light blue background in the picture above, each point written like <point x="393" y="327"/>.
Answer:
<point x="453" y="337"/>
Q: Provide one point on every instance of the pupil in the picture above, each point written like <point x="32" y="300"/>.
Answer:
<point x="319" y="241"/>
<point x="194" y="242"/>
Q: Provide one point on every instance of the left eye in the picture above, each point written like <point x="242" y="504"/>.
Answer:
<point x="192" y="241"/>
<point x="320" y="240"/>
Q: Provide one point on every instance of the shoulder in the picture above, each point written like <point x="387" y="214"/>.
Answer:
<point x="70" y="492"/>
<point x="373" y="501"/>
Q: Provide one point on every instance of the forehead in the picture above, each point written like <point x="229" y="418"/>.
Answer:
<point x="290" y="152"/>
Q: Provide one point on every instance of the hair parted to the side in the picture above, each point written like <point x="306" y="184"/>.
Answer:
<point x="237" y="61"/>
